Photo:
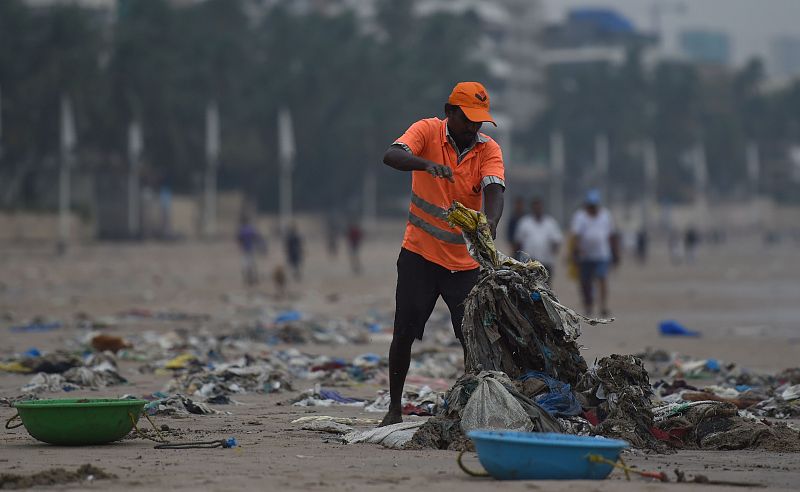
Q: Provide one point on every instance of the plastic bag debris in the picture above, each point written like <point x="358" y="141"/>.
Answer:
<point x="672" y="328"/>
<point x="559" y="400"/>
<point x="491" y="406"/>
<point x="391" y="436"/>
<point x="178" y="406"/>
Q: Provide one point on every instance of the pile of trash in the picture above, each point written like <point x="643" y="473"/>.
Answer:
<point x="294" y="328"/>
<point x="437" y="363"/>
<point x="333" y="371"/>
<point x="692" y="380"/>
<point x="218" y="383"/>
<point x="263" y="323"/>
<point x="177" y="406"/>
<point x="319" y="397"/>
<point x="33" y="361"/>
<point x="422" y="401"/>
<point x="97" y="371"/>
<point x="488" y="400"/>
<point x="719" y="425"/>
<point x="419" y="401"/>
<point x="512" y="320"/>
<point x="524" y="372"/>
<point x="617" y="390"/>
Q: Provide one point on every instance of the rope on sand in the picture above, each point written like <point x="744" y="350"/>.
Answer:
<point x="164" y="444"/>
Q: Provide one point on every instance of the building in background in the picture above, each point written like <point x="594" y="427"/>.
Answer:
<point x="785" y="56"/>
<point x="593" y="35"/>
<point x="706" y="46"/>
<point x="510" y="46"/>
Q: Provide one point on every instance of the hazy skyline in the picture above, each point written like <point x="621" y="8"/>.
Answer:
<point x="752" y="24"/>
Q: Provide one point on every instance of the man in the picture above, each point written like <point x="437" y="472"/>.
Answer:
<point x="449" y="160"/>
<point x="594" y="247"/>
<point x="294" y="251"/>
<point x="250" y="243"/>
<point x="691" y="239"/>
<point x="354" y="236"/>
<point x="539" y="236"/>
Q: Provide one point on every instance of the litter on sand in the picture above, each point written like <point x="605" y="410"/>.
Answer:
<point x="524" y="372"/>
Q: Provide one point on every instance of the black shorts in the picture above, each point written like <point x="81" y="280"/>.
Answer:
<point x="419" y="284"/>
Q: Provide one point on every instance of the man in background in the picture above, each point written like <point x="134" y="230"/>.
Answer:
<point x="355" y="234"/>
<point x="539" y="236"/>
<point x="294" y="251"/>
<point x="250" y="243"/>
<point x="595" y="247"/>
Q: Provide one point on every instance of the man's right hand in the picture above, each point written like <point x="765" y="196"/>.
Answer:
<point x="440" y="171"/>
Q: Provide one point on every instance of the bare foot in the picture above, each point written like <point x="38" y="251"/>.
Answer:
<point x="393" y="416"/>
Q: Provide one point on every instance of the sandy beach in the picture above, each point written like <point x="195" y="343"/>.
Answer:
<point x="741" y="295"/>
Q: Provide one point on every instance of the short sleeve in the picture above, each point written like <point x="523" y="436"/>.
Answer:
<point x="415" y="138"/>
<point x="492" y="164"/>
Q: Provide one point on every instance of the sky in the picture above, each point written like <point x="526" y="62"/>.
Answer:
<point x="751" y="23"/>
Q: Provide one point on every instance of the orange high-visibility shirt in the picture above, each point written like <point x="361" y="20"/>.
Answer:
<point x="427" y="232"/>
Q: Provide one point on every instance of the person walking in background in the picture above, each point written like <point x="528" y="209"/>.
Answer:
<point x="354" y="236"/>
<point x="294" y="251"/>
<point x="691" y="239"/>
<point x="165" y="206"/>
<point x="332" y="231"/>
<point x="449" y="160"/>
<point x="539" y="236"/>
<point x="250" y="243"/>
<point x="674" y="246"/>
<point x="641" y="245"/>
<point x="517" y="212"/>
<point x="594" y="247"/>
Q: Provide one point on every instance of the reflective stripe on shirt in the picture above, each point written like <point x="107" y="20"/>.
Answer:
<point x="438" y="233"/>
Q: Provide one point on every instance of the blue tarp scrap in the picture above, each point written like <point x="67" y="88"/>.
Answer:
<point x="288" y="316"/>
<point x="559" y="401"/>
<point x="672" y="328"/>
<point x="336" y="396"/>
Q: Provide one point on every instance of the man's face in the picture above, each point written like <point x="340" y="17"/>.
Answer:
<point x="461" y="128"/>
<point x="537" y="208"/>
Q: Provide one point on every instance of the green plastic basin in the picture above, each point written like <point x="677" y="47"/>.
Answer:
<point x="81" y="421"/>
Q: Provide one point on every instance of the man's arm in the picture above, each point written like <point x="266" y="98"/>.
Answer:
<point x="398" y="158"/>
<point x="493" y="205"/>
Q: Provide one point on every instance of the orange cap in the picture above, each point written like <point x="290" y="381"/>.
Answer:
<point x="473" y="99"/>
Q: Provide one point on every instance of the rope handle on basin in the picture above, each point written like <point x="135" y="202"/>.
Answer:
<point x="466" y="470"/>
<point x="15" y="417"/>
<point x="141" y="434"/>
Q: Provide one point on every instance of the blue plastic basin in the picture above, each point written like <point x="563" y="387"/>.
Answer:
<point x="544" y="456"/>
